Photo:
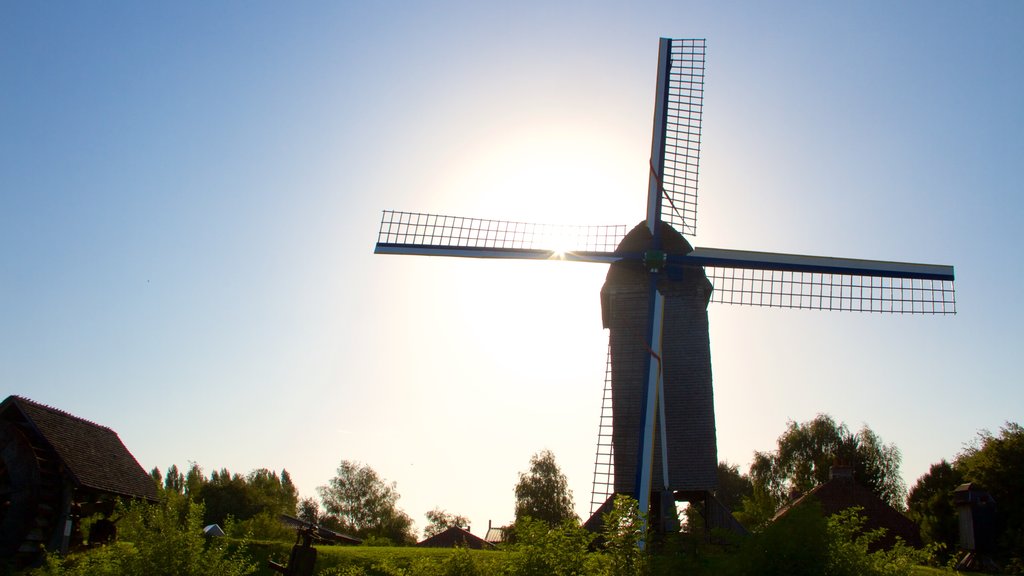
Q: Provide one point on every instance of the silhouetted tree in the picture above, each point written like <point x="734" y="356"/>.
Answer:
<point x="996" y="463"/>
<point x="930" y="504"/>
<point x="806" y="452"/>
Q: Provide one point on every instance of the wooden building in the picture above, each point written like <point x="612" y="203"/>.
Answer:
<point x="56" y="468"/>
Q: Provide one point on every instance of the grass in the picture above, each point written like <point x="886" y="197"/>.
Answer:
<point x="368" y="556"/>
<point x="363" y="556"/>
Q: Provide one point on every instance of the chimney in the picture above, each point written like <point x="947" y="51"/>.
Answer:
<point x="840" y="471"/>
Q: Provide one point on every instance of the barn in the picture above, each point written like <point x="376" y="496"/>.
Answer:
<point x="56" y="468"/>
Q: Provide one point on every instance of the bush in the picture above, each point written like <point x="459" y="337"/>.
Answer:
<point x="624" y="529"/>
<point x="795" y="545"/>
<point x="849" y="546"/>
<point x="543" y="551"/>
<point x="805" y="542"/>
<point x="155" y="540"/>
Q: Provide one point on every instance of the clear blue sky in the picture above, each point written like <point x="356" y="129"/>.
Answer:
<point x="189" y="197"/>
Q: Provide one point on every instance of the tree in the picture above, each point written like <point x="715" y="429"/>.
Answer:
<point x="194" y="480"/>
<point x="733" y="486"/>
<point x="309" y="510"/>
<point x="440" y="520"/>
<point x="543" y="492"/>
<point x="996" y="463"/>
<point x="930" y="504"/>
<point x="363" y="504"/>
<point x="174" y="481"/>
<point x="806" y="452"/>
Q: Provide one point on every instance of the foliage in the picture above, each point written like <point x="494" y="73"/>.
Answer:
<point x="733" y="486"/>
<point x="805" y="542"/>
<point x="849" y="549"/>
<point x="624" y="529"/>
<point x="440" y="520"/>
<point x="543" y="492"/>
<point x="733" y="489"/>
<point x="543" y="550"/>
<point x="930" y="504"/>
<point x="363" y="504"/>
<point x="795" y="545"/>
<point x="309" y="510"/>
<point x="156" y="540"/>
<point x="249" y="504"/>
<point x="996" y="463"/>
<point x="806" y="452"/>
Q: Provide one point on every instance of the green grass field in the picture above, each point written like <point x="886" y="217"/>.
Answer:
<point x="367" y="558"/>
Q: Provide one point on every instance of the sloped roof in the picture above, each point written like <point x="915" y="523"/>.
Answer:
<point x="842" y="492"/>
<point x="453" y="537"/>
<point x="495" y="535"/>
<point x="93" y="455"/>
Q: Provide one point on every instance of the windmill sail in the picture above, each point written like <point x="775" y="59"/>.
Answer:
<point x="439" y="235"/>
<point x="675" y="144"/>
<point x="823" y="283"/>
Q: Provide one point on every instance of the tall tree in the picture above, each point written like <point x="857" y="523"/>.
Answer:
<point x="996" y="463"/>
<point x="806" y="452"/>
<point x="362" y="503"/>
<point x="543" y="492"/>
<point x="194" y="480"/>
<point x="174" y="481"/>
<point x="930" y="504"/>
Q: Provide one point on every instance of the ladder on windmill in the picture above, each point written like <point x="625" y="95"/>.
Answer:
<point x="604" y="459"/>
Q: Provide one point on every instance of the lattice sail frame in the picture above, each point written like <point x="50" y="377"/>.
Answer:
<point x="681" y="152"/>
<point x="826" y="291"/>
<point x="416" y="232"/>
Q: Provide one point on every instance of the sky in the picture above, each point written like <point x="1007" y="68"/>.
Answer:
<point x="190" y="194"/>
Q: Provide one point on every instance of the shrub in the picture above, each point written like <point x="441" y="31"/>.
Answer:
<point x="544" y="551"/>
<point x="156" y="540"/>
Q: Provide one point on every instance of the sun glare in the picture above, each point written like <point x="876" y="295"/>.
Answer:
<point x="560" y="240"/>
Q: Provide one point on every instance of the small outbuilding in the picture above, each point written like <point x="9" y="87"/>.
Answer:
<point x="456" y="537"/>
<point x="56" y="468"/>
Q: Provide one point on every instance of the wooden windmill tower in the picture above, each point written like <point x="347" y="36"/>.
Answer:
<point x="654" y="301"/>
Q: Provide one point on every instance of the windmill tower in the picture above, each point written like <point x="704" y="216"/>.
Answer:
<point x="654" y="301"/>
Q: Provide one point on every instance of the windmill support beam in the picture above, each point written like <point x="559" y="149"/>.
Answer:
<point x="650" y="402"/>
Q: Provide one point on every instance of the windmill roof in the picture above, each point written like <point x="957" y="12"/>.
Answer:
<point x="93" y="455"/>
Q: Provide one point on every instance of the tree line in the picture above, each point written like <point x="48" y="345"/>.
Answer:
<point x="357" y="501"/>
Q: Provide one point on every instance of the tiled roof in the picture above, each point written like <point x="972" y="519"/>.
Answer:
<point x="93" y="455"/>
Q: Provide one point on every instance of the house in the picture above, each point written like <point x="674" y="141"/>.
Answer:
<point x="455" y="537"/>
<point x="58" y="468"/>
<point x="841" y="491"/>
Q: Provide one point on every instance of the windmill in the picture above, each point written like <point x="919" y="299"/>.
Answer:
<point x="655" y="297"/>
